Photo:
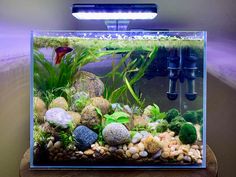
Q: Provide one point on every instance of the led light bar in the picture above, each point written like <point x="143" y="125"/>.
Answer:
<point x="114" y="11"/>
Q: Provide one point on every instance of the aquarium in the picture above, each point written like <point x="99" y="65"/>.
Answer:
<point x="132" y="99"/>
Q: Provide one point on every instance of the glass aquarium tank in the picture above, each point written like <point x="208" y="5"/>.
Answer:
<point x="132" y="99"/>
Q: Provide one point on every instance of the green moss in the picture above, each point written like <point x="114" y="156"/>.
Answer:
<point x="176" y="124"/>
<point x="171" y="114"/>
<point x="188" y="134"/>
<point x="144" y="44"/>
<point x="190" y="116"/>
<point x="200" y="116"/>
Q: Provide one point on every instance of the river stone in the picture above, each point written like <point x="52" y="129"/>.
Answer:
<point x="88" y="82"/>
<point x="59" y="117"/>
<point x="84" y="137"/>
<point x="90" y="117"/>
<point x="39" y="108"/>
<point x="59" y="102"/>
<point x="116" y="134"/>
<point x="101" y="103"/>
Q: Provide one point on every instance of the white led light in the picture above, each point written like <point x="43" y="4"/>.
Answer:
<point x="114" y="15"/>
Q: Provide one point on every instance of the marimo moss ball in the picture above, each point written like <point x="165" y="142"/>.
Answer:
<point x="84" y="137"/>
<point x="101" y="103"/>
<point x="88" y="82"/>
<point x="89" y="116"/>
<point x="188" y="134"/>
<point x="59" y="102"/>
<point x="116" y="134"/>
<point x="39" y="108"/>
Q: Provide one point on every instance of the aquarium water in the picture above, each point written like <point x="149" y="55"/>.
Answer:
<point x="118" y="99"/>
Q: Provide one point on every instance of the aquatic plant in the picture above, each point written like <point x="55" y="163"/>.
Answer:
<point x="129" y="76"/>
<point x="176" y="124"/>
<point x="39" y="135"/>
<point x="156" y="114"/>
<point x="171" y="114"/>
<point x="48" y="76"/>
<point x="190" y="116"/>
<point x="117" y="117"/>
<point x="188" y="134"/>
<point x="66" y="138"/>
<point x="82" y="102"/>
<point x="162" y="126"/>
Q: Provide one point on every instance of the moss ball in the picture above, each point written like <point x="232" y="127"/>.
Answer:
<point x="190" y="116"/>
<point x="188" y="134"/>
<point x="171" y="114"/>
<point x="162" y="126"/>
<point x="176" y="124"/>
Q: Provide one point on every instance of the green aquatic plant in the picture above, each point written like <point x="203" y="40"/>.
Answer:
<point x="66" y="138"/>
<point x="188" y="134"/>
<point x="118" y="117"/>
<point x="156" y="114"/>
<point x="82" y="102"/>
<point x="176" y="124"/>
<point x="128" y="76"/>
<point x="162" y="126"/>
<point x="39" y="135"/>
<point x="48" y="76"/>
<point x="171" y="114"/>
<point x="190" y="116"/>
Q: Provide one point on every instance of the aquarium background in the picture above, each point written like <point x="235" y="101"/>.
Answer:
<point x="17" y="21"/>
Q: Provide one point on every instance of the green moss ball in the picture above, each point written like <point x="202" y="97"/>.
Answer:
<point x="188" y="134"/>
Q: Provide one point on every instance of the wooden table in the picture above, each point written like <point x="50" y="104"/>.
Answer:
<point x="210" y="171"/>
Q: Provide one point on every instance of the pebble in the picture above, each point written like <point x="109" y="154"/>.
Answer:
<point x="180" y="157"/>
<point x="125" y="147"/>
<point x="187" y="158"/>
<point x="79" y="152"/>
<point x="89" y="152"/>
<point x="195" y="147"/>
<point x="136" y="138"/>
<point x="165" y="154"/>
<point x="133" y="150"/>
<point x="144" y="134"/>
<point x="128" y="153"/>
<point x="141" y="146"/>
<point x="135" y="156"/>
<point x="73" y="158"/>
<point x="157" y="155"/>
<point x="49" y="145"/>
<point x="143" y="154"/>
<point x="112" y="149"/>
<point x="57" y="144"/>
<point x="130" y="145"/>
<point x="199" y="161"/>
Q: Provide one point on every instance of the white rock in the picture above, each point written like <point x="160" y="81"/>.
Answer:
<point x="133" y="150"/>
<point x="136" y="138"/>
<point x="143" y="154"/>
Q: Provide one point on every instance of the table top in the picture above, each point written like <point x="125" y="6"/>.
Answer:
<point x="210" y="171"/>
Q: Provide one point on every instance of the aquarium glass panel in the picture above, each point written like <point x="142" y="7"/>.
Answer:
<point x="118" y="99"/>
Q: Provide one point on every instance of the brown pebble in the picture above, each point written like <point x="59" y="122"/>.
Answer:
<point x="89" y="152"/>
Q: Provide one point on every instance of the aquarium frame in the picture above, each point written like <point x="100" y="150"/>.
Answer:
<point x="49" y="167"/>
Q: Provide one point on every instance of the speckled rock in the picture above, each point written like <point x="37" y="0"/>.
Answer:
<point x="89" y="116"/>
<point x="76" y="117"/>
<point x="88" y="82"/>
<point x="101" y="103"/>
<point x="58" y="117"/>
<point x="116" y="134"/>
<point x="39" y="109"/>
<point x="84" y="137"/>
<point x="151" y="144"/>
<point x="59" y="102"/>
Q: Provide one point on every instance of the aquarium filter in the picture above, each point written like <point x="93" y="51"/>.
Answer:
<point x="182" y="68"/>
<point x="117" y="16"/>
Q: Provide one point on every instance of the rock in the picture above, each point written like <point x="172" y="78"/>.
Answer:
<point x="112" y="149"/>
<point x="151" y="144"/>
<point x="180" y="157"/>
<point x="133" y="150"/>
<point x="47" y="128"/>
<point x="145" y="134"/>
<point x="136" y="138"/>
<point x="84" y="137"/>
<point x="76" y="117"/>
<point x="143" y="154"/>
<point x="116" y="134"/>
<point x="116" y="107"/>
<point x="57" y="144"/>
<point x="135" y="156"/>
<point x="153" y="125"/>
<point x="90" y="117"/>
<point x="39" y="109"/>
<point x="59" y="102"/>
<point x="79" y="101"/>
<point x="125" y="147"/>
<point x="140" y="120"/>
<point x="59" y="117"/>
<point x="127" y="109"/>
<point x="157" y="155"/>
<point x="140" y="146"/>
<point x="101" y="103"/>
<point x="165" y="154"/>
<point x="88" y="82"/>
<point x="49" y="145"/>
<point x="89" y="152"/>
<point x="187" y="159"/>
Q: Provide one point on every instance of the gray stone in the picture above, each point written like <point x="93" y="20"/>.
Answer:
<point x="136" y="138"/>
<point x="157" y="154"/>
<point x="59" y="117"/>
<point x="116" y="134"/>
<point x="143" y="154"/>
<point x="84" y="137"/>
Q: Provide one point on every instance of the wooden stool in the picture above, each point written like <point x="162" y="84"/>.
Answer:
<point x="210" y="171"/>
